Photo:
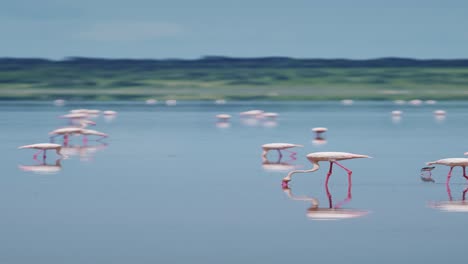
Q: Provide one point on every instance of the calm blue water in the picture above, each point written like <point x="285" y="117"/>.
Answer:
<point x="169" y="186"/>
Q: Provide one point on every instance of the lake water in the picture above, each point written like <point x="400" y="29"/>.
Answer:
<point x="171" y="185"/>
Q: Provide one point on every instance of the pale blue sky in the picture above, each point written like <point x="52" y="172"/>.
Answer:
<point x="251" y="28"/>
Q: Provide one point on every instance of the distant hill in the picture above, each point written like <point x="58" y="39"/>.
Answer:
<point x="228" y="62"/>
<point x="215" y="77"/>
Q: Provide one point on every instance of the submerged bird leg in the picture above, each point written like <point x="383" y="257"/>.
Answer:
<point x="449" y="192"/>
<point x="85" y="140"/>
<point x="330" y="201"/>
<point x="279" y="153"/>
<point x="44" y="156"/>
<point x="464" y="172"/>
<point x="347" y="170"/>
<point x="464" y="194"/>
<point x="65" y="139"/>
<point x="328" y="174"/>
<point x="449" y="175"/>
<point x="37" y="153"/>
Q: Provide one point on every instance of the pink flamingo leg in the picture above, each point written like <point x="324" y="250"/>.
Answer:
<point x="44" y="155"/>
<point x="85" y="140"/>
<point x="464" y="173"/>
<point x="464" y="194"/>
<point x="329" y="174"/>
<point x="348" y="171"/>
<point x="292" y="152"/>
<point x="330" y="201"/>
<point x="345" y="201"/>
<point x="449" y="192"/>
<point x="65" y="139"/>
<point x="37" y="153"/>
<point x="449" y="175"/>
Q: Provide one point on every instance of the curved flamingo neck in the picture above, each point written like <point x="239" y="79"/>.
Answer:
<point x="314" y="168"/>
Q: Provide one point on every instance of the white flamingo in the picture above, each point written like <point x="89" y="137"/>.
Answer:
<point x="278" y="147"/>
<point x="332" y="157"/>
<point x="43" y="147"/>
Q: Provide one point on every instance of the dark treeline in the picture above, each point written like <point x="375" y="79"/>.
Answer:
<point x="223" y="62"/>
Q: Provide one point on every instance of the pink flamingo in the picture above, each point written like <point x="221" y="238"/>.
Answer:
<point x="43" y="147"/>
<point x="278" y="147"/>
<point x="332" y="157"/>
<point x="452" y="162"/>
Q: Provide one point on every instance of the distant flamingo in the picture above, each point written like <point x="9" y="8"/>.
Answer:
<point x="452" y="162"/>
<point x="270" y="115"/>
<point x="278" y="147"/>
<point x="319" y="130"/>
<point x="43" y="147"/>
<point x="223" y="117"/>
<point x="331" y="157"/>
<point x="67" y="131"/>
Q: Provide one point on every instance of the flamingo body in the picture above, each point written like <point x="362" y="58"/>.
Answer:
<point x="41" y="146"/>
<point x="319" y="129"/>
<point x="223" y="117"/>
<point x="452" y="162"/>
<point x="332" y="157"/>
<point x="278" y="147"/>
<point x="66" y="131"/>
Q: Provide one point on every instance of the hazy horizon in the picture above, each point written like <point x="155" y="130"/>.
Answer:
<point x="142" y="29"/>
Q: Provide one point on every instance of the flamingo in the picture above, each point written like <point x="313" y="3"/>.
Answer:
<point x="43" y="147"/>
<point x="66" y="131"/>
<point x="109" y="113"/>
<point x="319" y="140"/>
<point x="278" y="147"/>
<point x="270" y="115"/>
<point x="452" y="162"/>
<point x="223" y="117"/>
<point x="331" y="157"/>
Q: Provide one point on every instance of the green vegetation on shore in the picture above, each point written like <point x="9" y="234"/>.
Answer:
<point x="233" y="79"/>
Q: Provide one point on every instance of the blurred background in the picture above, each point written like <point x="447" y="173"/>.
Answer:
<point x="247" y="50"/>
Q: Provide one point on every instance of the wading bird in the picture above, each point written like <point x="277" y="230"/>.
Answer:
<point x="452" y="162"/>
<point x="332" y="157"/>
<point x="43" y="147"/>
<point x="278" y="147"/>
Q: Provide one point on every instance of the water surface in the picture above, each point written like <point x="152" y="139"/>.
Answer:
<point x="170" y="185"/>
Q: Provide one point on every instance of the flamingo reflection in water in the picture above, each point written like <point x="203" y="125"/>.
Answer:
<point x="43" y="167"/>
<point x="278" y="147"/>
<point x="332" y="212"/>
<point x="452" y="205"/>
<point x="277" y="166"/>
<point x="85" y="152"/>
